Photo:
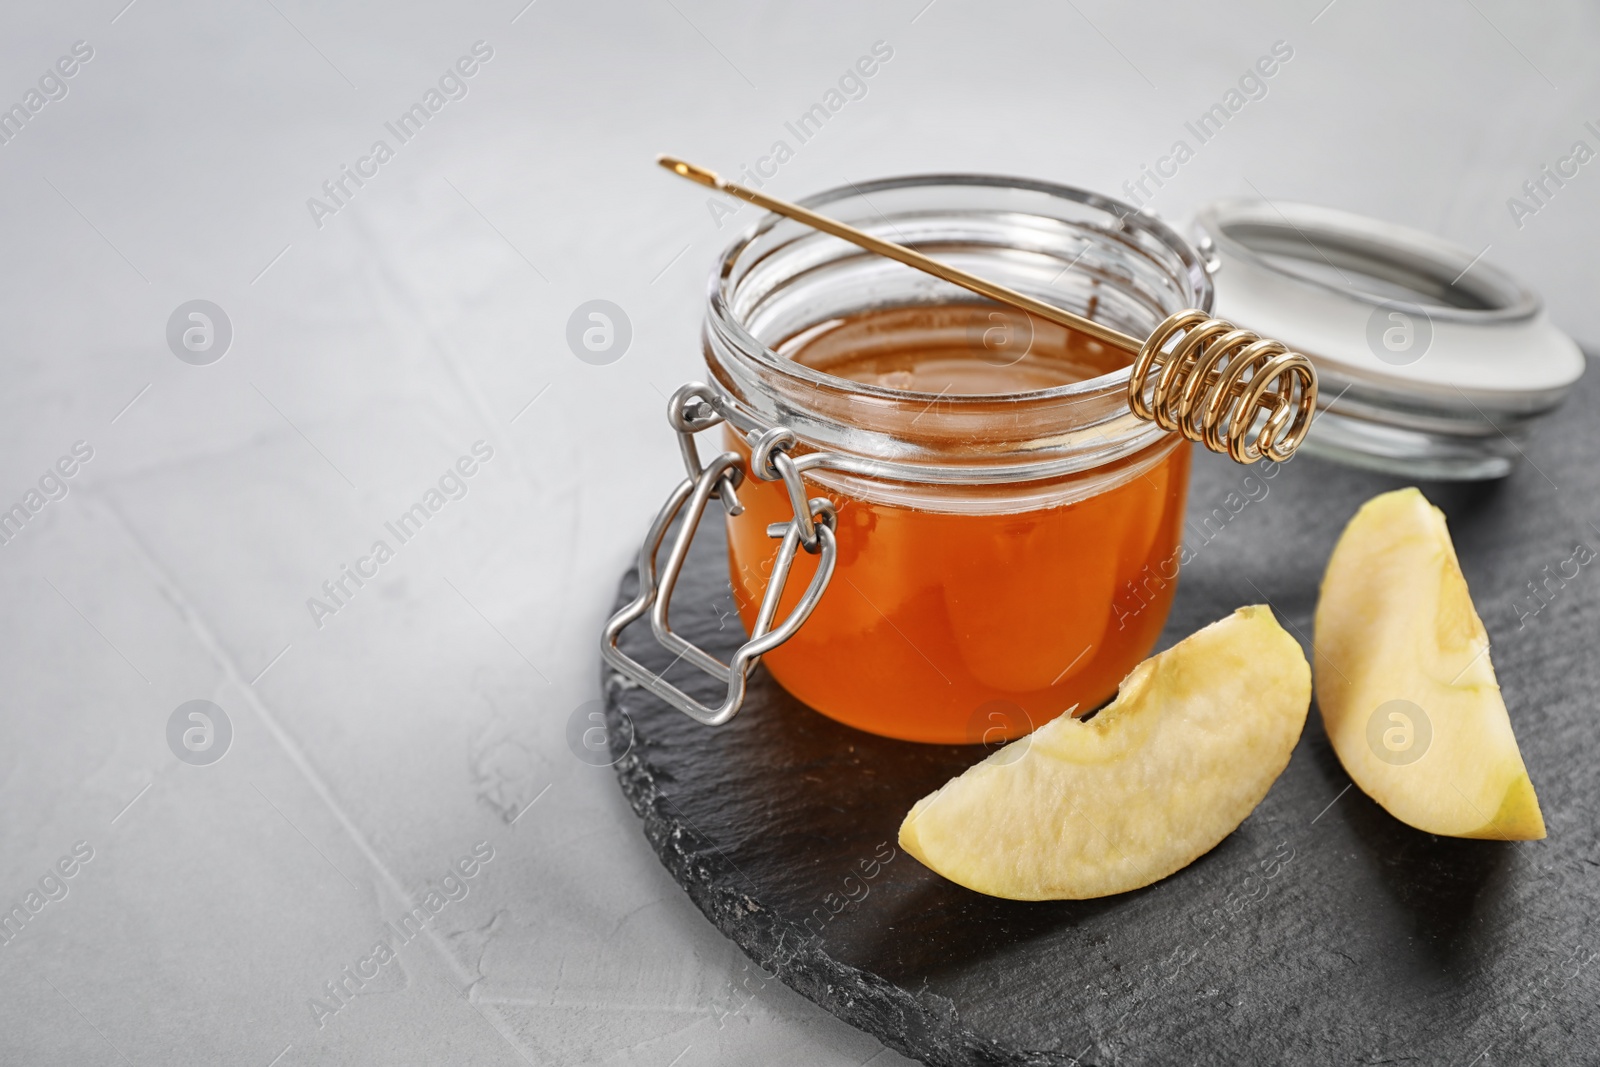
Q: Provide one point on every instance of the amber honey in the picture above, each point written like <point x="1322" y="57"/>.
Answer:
<point x="977" y="622"/>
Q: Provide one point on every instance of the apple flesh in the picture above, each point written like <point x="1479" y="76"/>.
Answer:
<point x="1080" y="809"/>
<point x="1407" y="692"/>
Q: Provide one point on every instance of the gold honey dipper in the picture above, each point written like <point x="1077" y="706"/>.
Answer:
<point x="1195" y="375"/>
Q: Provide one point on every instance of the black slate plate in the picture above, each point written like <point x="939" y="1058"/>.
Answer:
<point x="1321" y="931"/>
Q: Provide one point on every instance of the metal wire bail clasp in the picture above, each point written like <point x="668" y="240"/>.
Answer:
<point x="692" y="409"/>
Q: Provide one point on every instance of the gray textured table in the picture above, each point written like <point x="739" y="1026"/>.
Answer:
<point x="375" y="742"/>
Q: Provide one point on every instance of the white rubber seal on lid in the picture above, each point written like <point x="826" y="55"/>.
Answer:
<point x="1432" y="361"/>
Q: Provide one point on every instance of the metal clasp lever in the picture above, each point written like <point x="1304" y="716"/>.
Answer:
<point x="812" y="528"/>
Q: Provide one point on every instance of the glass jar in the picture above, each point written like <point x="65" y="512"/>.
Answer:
<point x="1003" y="555"/>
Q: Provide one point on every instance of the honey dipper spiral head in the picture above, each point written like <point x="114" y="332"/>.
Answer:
<point x="1229" y="389"/>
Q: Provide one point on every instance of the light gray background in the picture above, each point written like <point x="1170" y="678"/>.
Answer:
<point x="432" y="710"/>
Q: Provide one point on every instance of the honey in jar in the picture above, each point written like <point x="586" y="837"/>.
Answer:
<point x="973" y="617"/>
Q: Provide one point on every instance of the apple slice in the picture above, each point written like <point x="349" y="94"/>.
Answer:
<point x="1079" y="809"/>
<point x="1408" y="695"/>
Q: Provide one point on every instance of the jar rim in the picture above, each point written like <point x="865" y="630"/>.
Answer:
<point x="1119" y="265"/>
<point x="1128" y="216"/>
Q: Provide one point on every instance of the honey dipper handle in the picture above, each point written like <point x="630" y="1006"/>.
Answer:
<point x="902" y="254"/>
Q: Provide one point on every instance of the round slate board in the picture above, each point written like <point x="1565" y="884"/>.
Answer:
<point x="1322" y="930"/>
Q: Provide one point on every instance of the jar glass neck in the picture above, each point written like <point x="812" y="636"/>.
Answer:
<point x="782" y="281"/>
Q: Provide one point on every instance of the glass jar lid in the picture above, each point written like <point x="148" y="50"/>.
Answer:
<point x="1433" y="363"/>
